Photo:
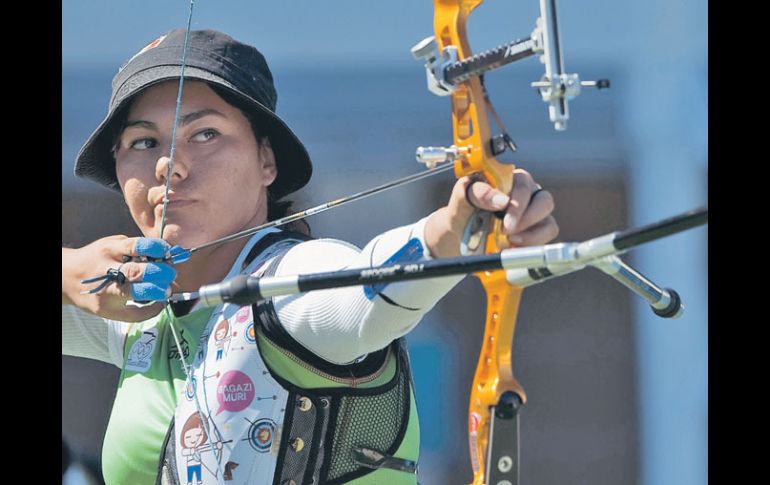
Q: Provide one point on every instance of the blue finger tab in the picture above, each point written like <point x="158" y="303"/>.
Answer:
<point x="410" y="252"/>
<point x="149" y="292"/>
<point x="159" y="273"/>
<point x="151" y="247"/>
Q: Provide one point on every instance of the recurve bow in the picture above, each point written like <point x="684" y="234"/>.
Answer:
<point x="453" y="70"/>
<point x="495" y="390"/>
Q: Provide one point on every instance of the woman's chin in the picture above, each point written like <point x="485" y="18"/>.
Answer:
<point x="176" y="236"/>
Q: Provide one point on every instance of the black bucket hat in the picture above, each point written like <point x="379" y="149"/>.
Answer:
<point x="218" y="59"/>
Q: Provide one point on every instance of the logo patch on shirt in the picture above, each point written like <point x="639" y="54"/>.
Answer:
<point x="140" y="355"/>
<point x="409" y="253"/>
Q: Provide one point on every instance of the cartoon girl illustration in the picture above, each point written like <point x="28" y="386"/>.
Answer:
<point x="193" y="438"/>
<point x="221" y="337"/>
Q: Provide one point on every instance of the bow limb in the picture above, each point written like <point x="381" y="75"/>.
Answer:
<point x="494" y="374"/>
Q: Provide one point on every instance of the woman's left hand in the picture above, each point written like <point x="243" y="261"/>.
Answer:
<point x="527" y="221"/>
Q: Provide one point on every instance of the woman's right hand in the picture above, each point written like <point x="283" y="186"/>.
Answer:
<point x="145" y="281"/>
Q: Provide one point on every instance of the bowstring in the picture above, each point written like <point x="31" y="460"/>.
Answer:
<point x="169" y="171"/>
<point x="177" y="110"/>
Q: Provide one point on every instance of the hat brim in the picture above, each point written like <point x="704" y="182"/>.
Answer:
<point x="96" y="162"/>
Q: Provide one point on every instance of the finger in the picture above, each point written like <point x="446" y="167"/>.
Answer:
<point x="460" y="207"/>
<point x="541" y="233"/>
<point x="140" y="282"/>
<point x="134" y="272"/>
<point x="150" y="247"/>
<point x="483" y="196"/>
<point x="155" y="283"/>
<point x="523" y="186"/>
<point x="540" y="206"/>
<point x="159" y="273"/>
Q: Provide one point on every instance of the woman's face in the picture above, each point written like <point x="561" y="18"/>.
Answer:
<point x="220" y="174"/>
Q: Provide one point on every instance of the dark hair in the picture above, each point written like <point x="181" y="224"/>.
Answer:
<point x="275" y="208"/>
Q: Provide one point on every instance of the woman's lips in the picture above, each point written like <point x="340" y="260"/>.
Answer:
<point x="176" y="203"/>
<point x="173" y="204"/>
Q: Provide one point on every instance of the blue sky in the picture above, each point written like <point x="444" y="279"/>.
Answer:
<point x="97" y="31"/>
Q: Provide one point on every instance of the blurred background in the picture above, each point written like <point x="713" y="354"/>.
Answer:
<point x="615" y="394"/>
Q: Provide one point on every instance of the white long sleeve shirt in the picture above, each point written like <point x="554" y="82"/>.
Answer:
<point x="339" y="325"/>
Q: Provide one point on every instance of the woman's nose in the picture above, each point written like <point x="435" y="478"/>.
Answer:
<point x="164" y="166"/>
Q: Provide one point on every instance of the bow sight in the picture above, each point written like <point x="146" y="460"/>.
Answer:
<point x="444" y="70"/>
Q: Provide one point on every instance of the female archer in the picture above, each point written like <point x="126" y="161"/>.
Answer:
<point x="313" y="388"/>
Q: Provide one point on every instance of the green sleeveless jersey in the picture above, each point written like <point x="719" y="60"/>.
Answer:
<point x="335" y="409"/>
<point x="152" y="380"/>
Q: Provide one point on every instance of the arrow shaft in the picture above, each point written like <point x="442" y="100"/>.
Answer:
<point x="246" y="290"/>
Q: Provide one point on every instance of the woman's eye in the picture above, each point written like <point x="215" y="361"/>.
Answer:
<point x="143" y="144"/>
<point x="205" y="135"/>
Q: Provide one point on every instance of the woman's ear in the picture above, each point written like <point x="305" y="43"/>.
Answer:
<point x="267" y="161"/>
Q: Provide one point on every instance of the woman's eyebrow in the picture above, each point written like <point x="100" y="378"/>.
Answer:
<point x="140" y="124"/>
<point x="195" y="115"/>
<point x="184" y="119"/>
